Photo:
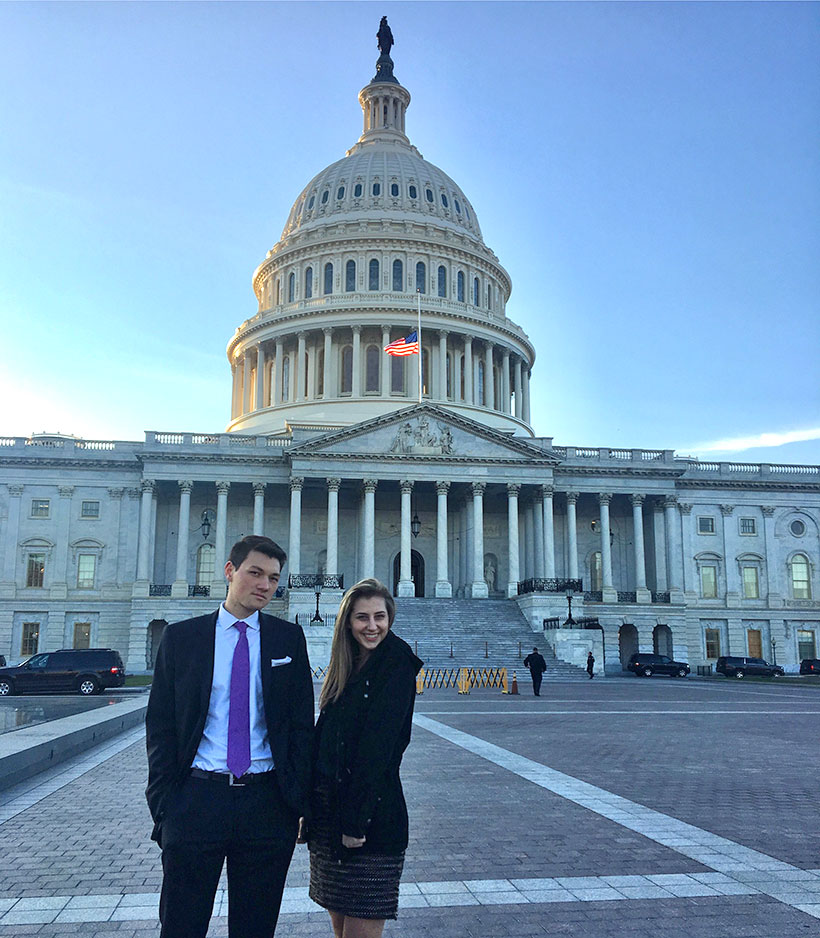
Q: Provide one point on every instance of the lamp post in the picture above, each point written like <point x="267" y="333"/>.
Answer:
<point x="317" y="586"/>
<point x="206" y="520"/>
<point x="774" y="652"/>
<point x="569" y="622"/>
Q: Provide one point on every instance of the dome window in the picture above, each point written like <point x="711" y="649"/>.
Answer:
<point x="476" y="293"/>
<point x="460" y="286"/>
<point x="340" y="192"/>
<point x="394" y="189"/>
<point x="373" y="275"/>
<point x="428" y="193"/>
<point x="457" y="205"/>
<point x="328" y="278"/>
<point x="325" y="196"/>
<point x="442" y="280"/>
<point x="357" y="190"/>
<point x="291" y="287"/>
<point x="412" y="192"/>
<point x="371" y="370"/>
<point x="350" y="276"/>
<point x="377" y="188"/>
<point x="311" y="202"/>
<point x="467" y="212"/>
<point x="346" y="383"/>
<point x="398" y="276"/>
<point x="444" y="201"/>
<point x="308" y="283"/>
<point x="421" y="277"/>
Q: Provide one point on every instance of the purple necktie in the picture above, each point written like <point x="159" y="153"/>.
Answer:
<point x="239" y="719"/>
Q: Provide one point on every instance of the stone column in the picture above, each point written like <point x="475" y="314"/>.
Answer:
<point x="384" y="372"/>
<point x="258" y="507"/>
<point x="517" y="384"/>
<point x="644" y="595"/>
<point x="59" y="571"/>
<point x="505" y="381"/>
<point x="689" y="583"/>
<point x="220" y="539"/>
<point x="260" y="377"/>
<point x="442" y="365"/>
<point x="572" y="535"/>
<point x="356" y="387"/>
<point x="538" y="531"/>
<point x="732" y="572"/>
<point x="479" y="588"/>
<point x="489" y="377"/>
<point x="673" y="571"/>
<point x="406" y="585"/>
<point x="610" y="593"/>
<point x="277" y="377"/>
<point x="328" y="334"/>
<point x="144" y="537"/>
<point x="295" y="536"/>
<point x="512" y="538"/>
<point x="179" y="588"/>
<point x="659" y="537"/>
<point x="549" y="532"/>
<point x="469" y="397"/>
<point x="332" y="564"/>
<point x="369" y="565"/>
<point x="297" y="374"/>
<point x="769" y="584"/>
<point x="246" y="387"/>
<point x="443" y="585"/>
<point x="526" y="416"/>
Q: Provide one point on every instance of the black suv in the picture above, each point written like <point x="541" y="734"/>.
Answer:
<point x="645" y="665"/>
<point x="754" y="667"/>
<point x="810" y="666"/>
<point x="83" y="670"/>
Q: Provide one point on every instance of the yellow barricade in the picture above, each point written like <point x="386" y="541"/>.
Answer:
<point x="462" y="678"/>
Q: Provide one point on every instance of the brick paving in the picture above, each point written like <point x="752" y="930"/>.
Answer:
<point x="491" y="853"/>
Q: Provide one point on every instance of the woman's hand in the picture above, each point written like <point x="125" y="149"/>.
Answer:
<point x="301" y="836"/>
<point x="352" y="841"/>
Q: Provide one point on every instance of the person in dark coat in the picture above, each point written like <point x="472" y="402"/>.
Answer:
<point x="229" y="728"/>
<point x="535" y="662"/>
<point x="358" y="831"/>
<point x="590" y="666"/>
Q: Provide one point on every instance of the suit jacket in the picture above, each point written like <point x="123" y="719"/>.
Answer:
<point x="178" y="707"/>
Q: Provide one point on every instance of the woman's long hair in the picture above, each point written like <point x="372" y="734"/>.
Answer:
<point x="344" y="649"/>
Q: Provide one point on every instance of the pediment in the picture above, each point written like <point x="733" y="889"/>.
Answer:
<point x="424" y="432"/>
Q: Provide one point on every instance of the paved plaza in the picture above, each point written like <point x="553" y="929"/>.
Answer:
<point x="614" y="808"/>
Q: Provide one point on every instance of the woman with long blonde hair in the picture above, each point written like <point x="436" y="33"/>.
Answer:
<point x="359" y="829"/>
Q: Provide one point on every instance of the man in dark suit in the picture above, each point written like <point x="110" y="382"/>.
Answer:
<point x="229" y="728"/>
<point x="535" y="662"/>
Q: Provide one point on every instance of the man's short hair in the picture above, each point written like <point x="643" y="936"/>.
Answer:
<point x="535" y="648"/>
<point x="241" y="549"/>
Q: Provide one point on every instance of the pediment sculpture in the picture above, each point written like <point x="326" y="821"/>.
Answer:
<point x="415" y="437"/>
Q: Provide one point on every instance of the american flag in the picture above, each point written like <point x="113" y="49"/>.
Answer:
<point x="406" y="346"/>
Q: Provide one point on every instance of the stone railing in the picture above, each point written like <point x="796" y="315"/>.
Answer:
<point x="593" y="596"/>
<point x="194" y="590"/>
<point x="660" y="596"/>
<point x="159" y="589"/>
<point x="627" y="596"/>
<point x="549" y="585"/>
<point x="605" y="454"/>
<point x="216" y="440"/>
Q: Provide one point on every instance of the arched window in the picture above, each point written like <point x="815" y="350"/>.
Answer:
<point x="347" y="369"/>
<point x="412" y="192"/>
<point x="278" y="291"/>
<point x="291" y="287"/>
<point x="372" y="360"/>
<point x="596" y="571"/>
<point x="800" y="577"/>
<point x="328" y="278"/>
<point x="308" y="283"/>
<point x="460" y="286"/>
<point x="442" y="280"/>
<point x="320" y="373"/>
<point x="394" y="189"/>
<point x="421" y="277"/>
<point x="476" y="295"/>
<point x="350" y="276"/>
<point x="377" y="188"/>
<point x="285" y="378"/>
<point x="340" y="192"/>
<point x="357" y="190"/>
<point x="489" y="296"/>
<point x="373" y="275"/>
<point x="205" y="565"/>
<point x="398" y="276"/>
<point x="325" y="196"/>
<point x="396" y="374"/>
<point x="479" y="398"/>
<point x="428" y="194"/>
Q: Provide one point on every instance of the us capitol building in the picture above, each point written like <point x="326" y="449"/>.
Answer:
<point x="441" y="490"/>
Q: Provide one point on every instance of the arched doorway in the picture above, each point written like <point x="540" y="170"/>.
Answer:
<point x="155" y="629"/>
<point x="627" y="644"/>
<point x="416" y="572"/>
<point x="662" y="640"/>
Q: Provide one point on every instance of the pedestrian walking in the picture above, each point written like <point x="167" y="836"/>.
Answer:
<point x="535" y="662"/>
<point x="229" y="728"/>
<point x="358" y="831"/>
<point x="590" y="666"/>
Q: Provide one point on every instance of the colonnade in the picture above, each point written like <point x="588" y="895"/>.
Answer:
<point x="479" y="372"/>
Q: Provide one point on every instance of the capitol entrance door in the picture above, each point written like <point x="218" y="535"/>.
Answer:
<point x="416" y="573"/>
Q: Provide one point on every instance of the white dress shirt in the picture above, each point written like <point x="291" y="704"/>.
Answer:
<point x="212" y="754"/>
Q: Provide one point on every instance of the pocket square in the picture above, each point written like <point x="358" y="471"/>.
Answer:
<point x="278" y="662"/>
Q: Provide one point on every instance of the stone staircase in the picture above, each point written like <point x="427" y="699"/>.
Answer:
<point x="485" y="633"/>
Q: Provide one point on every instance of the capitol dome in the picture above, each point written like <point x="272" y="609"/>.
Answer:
<point x="369" y="240"/>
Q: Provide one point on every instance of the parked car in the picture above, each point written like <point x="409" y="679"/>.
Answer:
<point x="645" y="665"/>
<point x="753" y="667"/>
<point x="810" y="666"/>
<point x="82" y="670"/>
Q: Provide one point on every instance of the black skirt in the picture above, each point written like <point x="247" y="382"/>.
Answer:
<point x="361" y="885"/>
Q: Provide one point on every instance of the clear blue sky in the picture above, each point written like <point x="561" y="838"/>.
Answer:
<point x="649" y="174"/>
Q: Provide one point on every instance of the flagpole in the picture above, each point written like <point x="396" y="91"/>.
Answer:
<point x="418" y="297"/>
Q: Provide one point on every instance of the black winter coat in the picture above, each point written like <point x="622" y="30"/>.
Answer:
<point x="360" y="741"/>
